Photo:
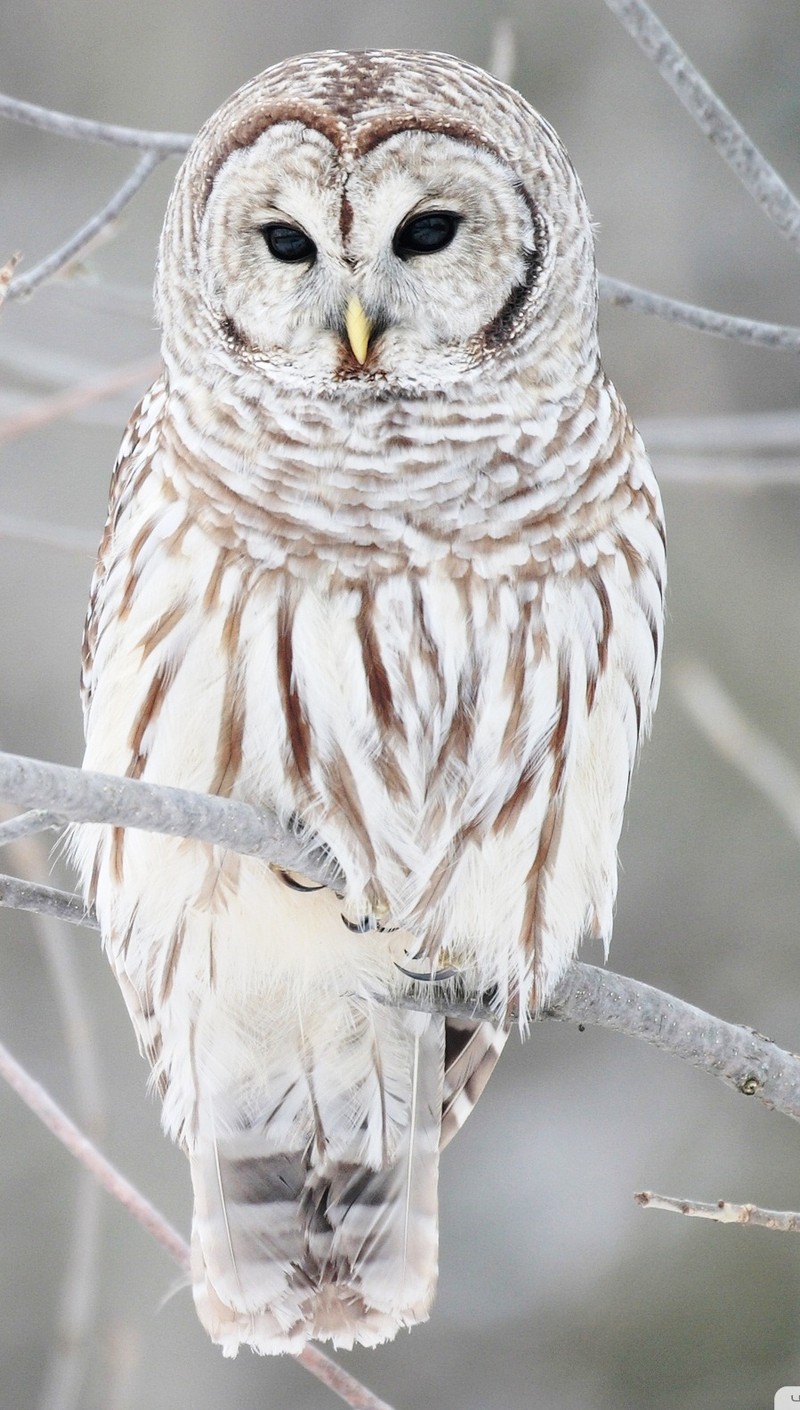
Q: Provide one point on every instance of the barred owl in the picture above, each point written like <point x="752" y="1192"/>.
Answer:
<point x="385" y="556"/>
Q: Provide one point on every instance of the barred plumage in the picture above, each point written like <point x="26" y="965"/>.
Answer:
<point x="405" y="586"/>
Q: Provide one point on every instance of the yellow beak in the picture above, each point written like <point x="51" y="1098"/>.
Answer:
<point x="358" y="328"/>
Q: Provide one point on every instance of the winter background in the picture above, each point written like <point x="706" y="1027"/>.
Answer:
<point x="557" y="1291"/>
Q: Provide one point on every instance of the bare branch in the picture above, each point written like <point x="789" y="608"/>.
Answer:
<point x="350" y="1390"/>
<point x="48" y="409"/>
<point x="96" y="225"/>
<point x="81" y="796"/>
<point x="745" y="746"/>
<point x="779" y="336"/>
<point x="6" y="273"/>
<point x="741" y="1058"/>
<point x="44" y="901"/>
<point x="108" y="1177"/>
<point x="723" y="1211"/>
<point x="26" y="825"/>
<point x="167" y="144"/>
<point x="756" y="174"/>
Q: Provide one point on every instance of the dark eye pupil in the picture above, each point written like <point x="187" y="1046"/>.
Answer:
<point x="425" y="234"/>
<point x="287" y="243"/>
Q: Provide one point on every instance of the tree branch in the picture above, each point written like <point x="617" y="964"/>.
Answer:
<point x="743" y="1059"/>
<point x="778" y="336"/>
<point x="27" y="825"/>
<point x="52" y="408"/>
<point x="785" y="1221"/>
<point x="81" y="796"/>
<point x="756" y="174"/>
<point x="167" y="144"/>
<point x="94" y="226"/>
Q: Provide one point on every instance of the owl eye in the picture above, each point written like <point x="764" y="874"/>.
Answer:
<point x="425" y="234"/>
<point x="288" y="244"/>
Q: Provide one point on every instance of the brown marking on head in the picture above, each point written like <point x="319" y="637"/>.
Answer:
<point x="501" y="327"/>
<point x="345" y="218"/>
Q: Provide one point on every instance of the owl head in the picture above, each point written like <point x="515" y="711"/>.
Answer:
<point x="377" y="223"/>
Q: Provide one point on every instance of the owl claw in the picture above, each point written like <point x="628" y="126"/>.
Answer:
<point x="289" y="881"/>
<point x="436" y="976"/>
<point x="360" y="927"/>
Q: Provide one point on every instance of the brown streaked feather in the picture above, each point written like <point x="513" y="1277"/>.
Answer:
<point x="298" y="732"/>
<point x="471" y="1050"/>
<point x="551" y="827"/>
<point x="378" y="683"/>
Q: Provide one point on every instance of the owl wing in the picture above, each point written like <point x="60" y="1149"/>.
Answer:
<point x="131" y="467"/>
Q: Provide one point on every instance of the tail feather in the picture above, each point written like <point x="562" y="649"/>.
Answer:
<point x="470" y="1053"/>
<point x="332" y="1236"/>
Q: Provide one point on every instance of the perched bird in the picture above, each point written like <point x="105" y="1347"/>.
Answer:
<point x="385" y="556"/>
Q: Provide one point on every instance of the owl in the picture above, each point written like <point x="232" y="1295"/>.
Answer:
<point x="385" y="556"/>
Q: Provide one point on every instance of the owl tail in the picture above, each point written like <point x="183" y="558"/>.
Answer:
<point x="320" y="1222"/>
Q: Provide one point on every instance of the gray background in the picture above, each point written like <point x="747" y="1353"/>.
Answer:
<point x="556" y="1290"/>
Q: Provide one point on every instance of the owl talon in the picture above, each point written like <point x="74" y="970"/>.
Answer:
<point x="360" y="927"/>
<point x="436" y="976"/>
<point x="288" y="880"/>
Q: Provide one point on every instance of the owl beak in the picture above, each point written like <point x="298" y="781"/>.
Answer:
<point x="358" y="328"/>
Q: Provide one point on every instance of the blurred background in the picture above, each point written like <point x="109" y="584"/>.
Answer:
<point x="557" y="1291"/>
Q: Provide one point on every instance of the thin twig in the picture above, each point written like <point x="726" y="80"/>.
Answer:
<point x="723" y="1211"/>
<point x="6" y="275"/>
<point x="350" y="1390"/>
<point x="49" y="409"/>
<point x="779" y="336"/>
<point x="44" y="901"/>
<point x="26" y="825"/>
<point x="167" y="144"/>
<point x="94" y="226"/>
<point x="739" y="741"/>
<point x="756" y="174"/>
<point x="84" y="1150"/>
